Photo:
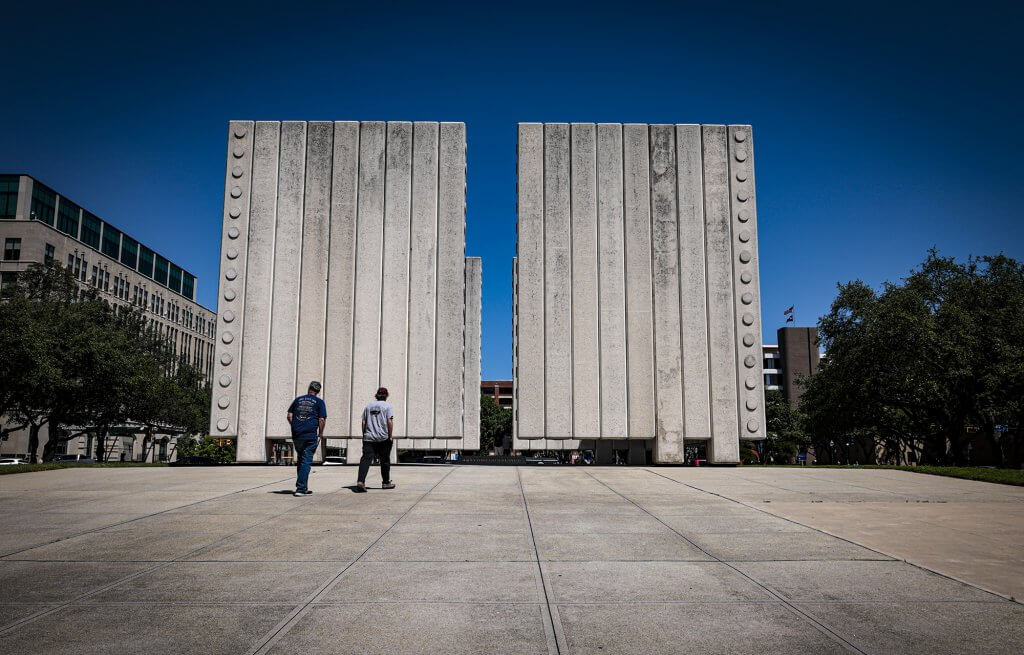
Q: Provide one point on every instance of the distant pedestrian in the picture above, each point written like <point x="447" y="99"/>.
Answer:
<point x="307" y="416"/>
<point x="378" y="427"/>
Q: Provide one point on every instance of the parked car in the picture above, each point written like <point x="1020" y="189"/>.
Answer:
<point x="77" y="459"/>
<point x="11" y="461"/>
<point x="334" y="460"/>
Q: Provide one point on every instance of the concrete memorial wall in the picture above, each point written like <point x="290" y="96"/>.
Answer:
<point x="343" y="260"/>
<point x="637" y="312"/>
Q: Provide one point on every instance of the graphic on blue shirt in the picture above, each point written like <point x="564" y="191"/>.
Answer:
<point x="306" y="413"/>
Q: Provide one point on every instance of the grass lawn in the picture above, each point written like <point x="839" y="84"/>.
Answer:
<point x="999" y="476"/>
<point x="50" y="466"/>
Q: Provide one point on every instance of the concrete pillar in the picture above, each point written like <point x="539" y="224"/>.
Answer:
<point x="639" y="323"/>
<point x="586" y="355"/>
<point x="724" y="444"/>
<point x="259" y="275"/>
<point x="693" y="314"/>
<point x="665" y="272"/>
<point x="231" y="292"/>
<point x="558" y="365"/>
<point x="471" y="436"/>
<point x="284" y="304"/>
<point x="530" y="394"/>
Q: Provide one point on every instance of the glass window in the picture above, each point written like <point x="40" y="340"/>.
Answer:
<point x="175" y="279"/>
<point x="188" y="285"/>
<point x="91" y="230"/>
<point x="145" y="261"/>
<point x="160" y="272"/>
<point x="129" y="251"/>
<point x="111" y="241"/>
<point x="44" y="204"/>
<point x="67" y="217"/>
<point x="12" y="250"/>
<point x="8" y="196"/>
<point x="7" y="280"/>
<point x="48" y="256"/>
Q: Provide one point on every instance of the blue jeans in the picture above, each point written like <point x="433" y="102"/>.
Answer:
<point x="305" y="446"/>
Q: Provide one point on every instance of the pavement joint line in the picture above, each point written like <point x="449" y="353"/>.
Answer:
<point x="284" y="626"/>
<point x="557" y="634"/>
<point x="5" y="629"/>
<point x="874" y="550"/>
<point x="825" y="630"/>
<point x="139" y="518"/>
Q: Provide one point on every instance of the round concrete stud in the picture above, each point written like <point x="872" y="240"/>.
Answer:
<point x="232" y="253"/>
<point x="750" y="383"/>
<point x="749" y="361"/>
<point x="751" y="404"/>
<point x="748" y="340"/>
<point x="223" y="402"/>
<point x="229" y="295"/>
<point x="233" y="233"/>
<point x="747" y="298"/>
<point x="742" y="195"/>
<point x="236" y="171"/>
<point x="226" y="359"/>
<point x="740" y="136"/>
<point x="222" y="424"/>
<point x="746" y="278"/>
<point x="227" y="337"/>
<point x="743" y="215"/>
<point x="235" y="212"/>
<point x="225" y="380"/>
<point x="744" y="236"/>
<point x="741" y="155"/>
<point x="748" y="319"/>
<point x="745" y="256"/>
<point x="228" y="316"/>
<point x="231" y="274"/>
<point x="240" y="131"/>
<point x="238" y="153"/>
<point x="236" y="191"/>
<point x="741" y="176"/>
<point x="753" y="425"/>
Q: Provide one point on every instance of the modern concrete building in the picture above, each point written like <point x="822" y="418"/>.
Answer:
<point x="343" y="260"/>
<point x="636" y="294"/>
<point x="39" y="225"/>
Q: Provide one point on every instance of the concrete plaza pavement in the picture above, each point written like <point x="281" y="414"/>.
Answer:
<point x="478" y="559"/>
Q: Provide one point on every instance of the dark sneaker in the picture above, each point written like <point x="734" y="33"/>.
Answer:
<point x="388" y="485"/>
<point x="307" y="492"/>
<point x="360" y="488"/>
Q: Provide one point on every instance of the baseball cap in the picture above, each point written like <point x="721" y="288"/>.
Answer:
<point x="315" y="386"/>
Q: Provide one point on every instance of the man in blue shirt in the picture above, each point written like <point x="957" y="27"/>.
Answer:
<point x="307" y="415"/>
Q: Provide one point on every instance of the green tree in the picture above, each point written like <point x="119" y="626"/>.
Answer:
<point x="495" y="423"/>
<point x="785" y="430"/>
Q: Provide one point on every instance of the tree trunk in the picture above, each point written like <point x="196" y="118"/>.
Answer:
<point x="50" y="447"/>
<point x="33" y="443"/>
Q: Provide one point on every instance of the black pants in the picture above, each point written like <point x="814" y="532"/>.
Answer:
<point x="381" y="450"/>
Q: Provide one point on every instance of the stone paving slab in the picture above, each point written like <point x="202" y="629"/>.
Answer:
<point x="557" y="560"/>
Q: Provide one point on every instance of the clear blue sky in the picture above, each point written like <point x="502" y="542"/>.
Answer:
<point x="881" y="130"/>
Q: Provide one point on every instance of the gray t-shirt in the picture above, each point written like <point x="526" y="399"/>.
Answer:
<point x="376" y="416"/>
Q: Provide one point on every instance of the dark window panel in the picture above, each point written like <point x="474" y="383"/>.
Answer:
<point x="91" y="227"/>
<point x="160" y="273"/>
<point x="129" y="251"/>
<point x="67" y="217"/>
<point x="111" y="241"/>
<point x="145" y="261"/>
<point x="44" y="204"/>
<point x="8" y="196"/>
<point x="175" y="279"/>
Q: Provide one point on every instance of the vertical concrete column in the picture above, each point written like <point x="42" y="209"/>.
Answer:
<point x="639" y="323"/>
<point x="692" y="288"/>
<point x="611" y="282"/>
<point x="231" y="293"/>
<point x="394" y="328"/>
<point x="529" y="399"/>
<point x="259" y="275"/>
<point x="471" y="436"/>
<point x="724" y="444"/>
<point x="558" y="279"/>
<point x="750" y="376"/>
<point x="422" y="285"/>
<point x="369" y="247"/>
<point x="341" y="280"/>
<point x="284" y="304"/>
<point x="586" y="349"/>
<point x="665" y="270"/>
<point x="316" y="237"/>
<point x="451" y="277"/>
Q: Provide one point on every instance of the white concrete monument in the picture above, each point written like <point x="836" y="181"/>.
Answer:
<point x="637" y="312"/>
<point x="343" y="260"/>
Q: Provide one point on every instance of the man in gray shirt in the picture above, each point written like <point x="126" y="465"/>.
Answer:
<point x="378" y="426"/>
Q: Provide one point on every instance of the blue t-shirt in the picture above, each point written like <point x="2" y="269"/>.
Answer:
<point x="306" y="413"/>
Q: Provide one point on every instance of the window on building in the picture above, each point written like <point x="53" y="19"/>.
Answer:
<point x="175" y="279"/>
<point x="44" y="204"/>
<point x="78" y="266"/>
<point x="106" y="280"/>
<point x="91" y="227"/>
<point x="8" y="196"/>
<point x="67" y="217"/>
<point x="12" y="250"/>
<point x="111" y="241"/>
<point x="145" y="261"/>
<point x="129" y="251"/>
<point x="48" y="254"/>
<point x="160" y="270"/>
<point x="8" y="279"/>
<point x="71" y="261"/>
<point x="92" y="280"/>
<point x="188" y="285"/>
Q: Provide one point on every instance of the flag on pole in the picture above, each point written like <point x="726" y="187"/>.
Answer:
<point x="789" y="311"/>
<point x="789" y="319"/>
